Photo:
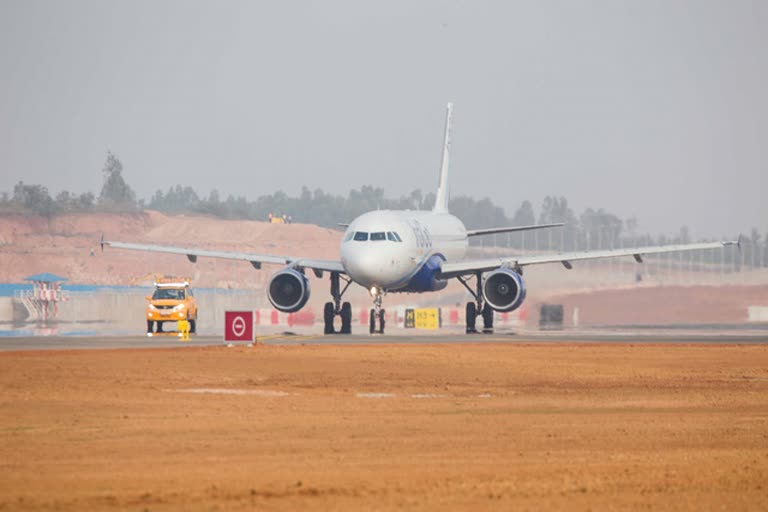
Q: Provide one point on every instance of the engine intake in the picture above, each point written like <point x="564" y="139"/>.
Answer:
<point x="288" y="290"/>
<point x="503" y="289"/>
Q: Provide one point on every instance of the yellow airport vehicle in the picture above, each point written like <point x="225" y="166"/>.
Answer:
<point x="172" y="300"/>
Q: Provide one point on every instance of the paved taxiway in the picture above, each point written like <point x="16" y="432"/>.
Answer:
<point x="601" y="336"/>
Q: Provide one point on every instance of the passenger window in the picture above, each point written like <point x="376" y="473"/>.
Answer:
<point x="391" y="236"/>
<point x="361" y="236"/>
<point x="376" y="237"/>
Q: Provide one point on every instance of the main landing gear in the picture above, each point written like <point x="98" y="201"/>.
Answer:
<point x="376" y="313"/>
<point x="344" y="310"/>
<point x="477" y="308"/>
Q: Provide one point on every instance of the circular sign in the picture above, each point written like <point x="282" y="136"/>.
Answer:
<point x="238" y="326"/>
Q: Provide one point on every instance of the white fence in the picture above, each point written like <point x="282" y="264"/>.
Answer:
<point x="125" y="311"/>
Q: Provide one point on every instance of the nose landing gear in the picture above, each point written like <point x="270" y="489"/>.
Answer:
<point x="477" y="308"/>
<point x="376" y="313"/>
<point x="344" y="310"/>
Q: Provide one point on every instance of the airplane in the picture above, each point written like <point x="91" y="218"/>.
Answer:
<point x="393" y="251"/>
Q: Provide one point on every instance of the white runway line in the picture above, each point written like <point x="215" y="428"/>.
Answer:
<point x="225" y="391"/>
<point x="375" y="395"/>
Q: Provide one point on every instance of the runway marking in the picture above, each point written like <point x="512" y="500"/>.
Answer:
<point x="274" y="393"/>
<point x="285" y="337"/>
<point x="225" y="391"/>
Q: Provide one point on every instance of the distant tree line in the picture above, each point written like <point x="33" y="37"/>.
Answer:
<point x="116" y="196"/>
<point x="590" y="230"/>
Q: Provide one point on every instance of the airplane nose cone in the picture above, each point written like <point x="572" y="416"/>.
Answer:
<point x="370" y="266"/>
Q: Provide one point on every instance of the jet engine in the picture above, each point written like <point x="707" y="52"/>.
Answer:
<point x="288" y="290"/>
<point x="503" y="289"/>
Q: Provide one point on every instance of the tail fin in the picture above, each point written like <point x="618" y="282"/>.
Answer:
<point x="441" y="199"/>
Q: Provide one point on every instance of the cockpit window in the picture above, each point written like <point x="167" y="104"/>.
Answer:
<point x="361" y="236"/>
<point x="349" y="236"/>
<point x="376" y="237"/>
<point x="397" y="237"/>
<point x="391" y="236"/>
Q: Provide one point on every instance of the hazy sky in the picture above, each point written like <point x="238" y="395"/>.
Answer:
<point x="651" y="108"/>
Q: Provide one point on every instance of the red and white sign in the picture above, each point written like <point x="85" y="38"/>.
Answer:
<point x="238" y="326"/>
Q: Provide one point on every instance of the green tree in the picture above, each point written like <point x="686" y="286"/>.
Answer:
<point x="34" y="199"/>
<point x="115" y="192"/>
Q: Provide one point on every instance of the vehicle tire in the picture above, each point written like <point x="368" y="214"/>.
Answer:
<point x="150" y="326"/>
<point x="346" y="318"/>
<point x="193" y="325"/>
<point x="471" y="317"/>
<point x="372" y="321"/>
<point x="488" y="319"/>
<point x="328" y="314"/>
<point x="159" y="326"/>
<point x="381" y="321"/>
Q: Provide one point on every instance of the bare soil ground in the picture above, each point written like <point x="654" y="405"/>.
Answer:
<point x="660" y="305"/>
<point x="62" y="245"/>
<point x="438" y="427"/>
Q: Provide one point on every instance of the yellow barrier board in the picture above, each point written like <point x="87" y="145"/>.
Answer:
<point x="427" y="318"/>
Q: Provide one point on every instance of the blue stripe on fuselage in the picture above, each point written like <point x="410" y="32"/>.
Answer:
<point x="420" y="279"/>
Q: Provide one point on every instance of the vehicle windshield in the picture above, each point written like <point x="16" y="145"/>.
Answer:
<point x="378" y="236"/>
<point x="168" y="294"/>
<point x="361" y="236"/>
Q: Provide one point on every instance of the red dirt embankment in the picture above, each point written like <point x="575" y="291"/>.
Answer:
<point x="660" y="305"/>
<point x="62" y="245"/>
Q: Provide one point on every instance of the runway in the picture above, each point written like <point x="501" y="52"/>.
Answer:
<point x="634" y="335"/>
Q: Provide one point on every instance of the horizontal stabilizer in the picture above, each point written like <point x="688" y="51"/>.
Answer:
<point x="511" y="229"/>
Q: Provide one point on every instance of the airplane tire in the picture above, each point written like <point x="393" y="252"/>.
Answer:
<point x="346" y="318"/>
<point x="328" y="315"/>
<point x="372" y="321"/>
<point x="471" y="317"/>
<point x="488" y="319"/>
<point x="381" y="321"/>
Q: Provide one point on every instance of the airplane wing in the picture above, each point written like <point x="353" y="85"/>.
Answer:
<point x="511" y="229"/>
<point x="459" y="268"/>
<point x="255" y="259"/>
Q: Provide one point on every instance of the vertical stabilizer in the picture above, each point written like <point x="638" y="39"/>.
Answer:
<point x="441" y="199"/>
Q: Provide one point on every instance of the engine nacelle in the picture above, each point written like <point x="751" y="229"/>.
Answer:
<point x="503" y="289"/>
<point x="288" y="290"/>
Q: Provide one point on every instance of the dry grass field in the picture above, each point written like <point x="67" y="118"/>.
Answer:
<point x="547" y="426"/>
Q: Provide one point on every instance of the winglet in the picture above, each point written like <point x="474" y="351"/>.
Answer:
<point x="101" y="242"/>
<point x="442" y="196"/>
<point x="736" y="242"/>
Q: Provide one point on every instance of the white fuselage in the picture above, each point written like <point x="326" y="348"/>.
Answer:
<point x="385" y="249"/>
